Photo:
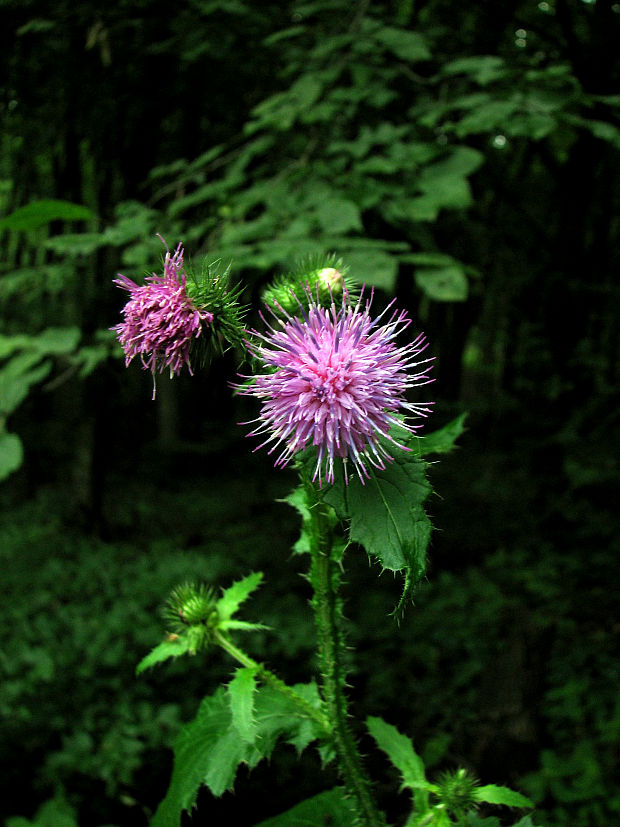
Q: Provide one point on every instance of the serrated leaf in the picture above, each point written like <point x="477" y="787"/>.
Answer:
<point x="209" y="750"/>
<point x="242" y="626"/>
<point x="401" y="753"/>
<point x="39" y="213"/>
<point x="164" y="651"/>
<point x="440" y="441"/>
<point x="403" y="756"/>
<point x="241" y="691"/>
<point x="236" y="594"/>
<point x="331" y="807"/>
<point x="11" y="454"/>
<point x="387" y="516"/>
<point x="492" y="794"/>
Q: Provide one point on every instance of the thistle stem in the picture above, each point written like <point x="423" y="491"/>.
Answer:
<point x="266" y="676"/>
<point x="324" y="576"/>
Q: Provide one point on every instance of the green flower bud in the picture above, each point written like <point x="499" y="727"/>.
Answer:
<point x="192" y="607"/>
<point x="322" y="278"/>
<point x="456" y="790"/>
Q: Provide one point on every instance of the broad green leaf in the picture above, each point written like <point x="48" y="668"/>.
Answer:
<point x="297" y="499"/>
<point x="18" y="376"/>
<point x="487" y="117"/>
<point x="492" y="794"/>
<point x="461" y="162"/>
<point x="372" y="267"/>
<point x="164" y="651"/>
<point x="39" y="213"/>
<point x="406" y="45"/>
<point x="386" y="514"/>
<point x="194" y="751"/>
<point x="483" y="68"/>
<point x="236" y="594"/>
<point x="440" y="441"/>
<point x="9" y="344"/>
<point x="337" y="215"/>
<point x="75" y="244"/>
<point x="534" y="125"/>
<point x="331" y="807"/>
<point x="11" y="454"/>
<point x="209" y="750"/>
<point x="241" y="691"/>
<point x="53" y="813"/>
<point x="57" y="340"/>
<point x="403" y="756"/>
<point x="444" y="284"/>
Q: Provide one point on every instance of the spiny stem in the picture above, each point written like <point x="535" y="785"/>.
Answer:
<point x="306" y="709"/>
<point x="326" y="604"/>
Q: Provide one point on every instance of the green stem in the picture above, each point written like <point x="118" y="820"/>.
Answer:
<point x="305" y="708"/>
<point x="324" y="576"/>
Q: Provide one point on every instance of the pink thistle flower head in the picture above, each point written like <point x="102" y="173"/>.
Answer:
<point x="161" y="321"/>
<point x="336" y="379"/>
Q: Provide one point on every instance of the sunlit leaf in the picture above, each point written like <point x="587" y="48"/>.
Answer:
<point x="173" y="648"/>
<point x="236" y="594"/>
<point x="492" y="794"/>
<point x="241" y="692"/>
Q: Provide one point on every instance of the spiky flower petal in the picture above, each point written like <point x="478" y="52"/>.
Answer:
<point x="160" y="319"/>
<point x="336" y="379"/>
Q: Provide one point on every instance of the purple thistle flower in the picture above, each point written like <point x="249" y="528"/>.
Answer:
<point x="161" y="320"/>
<point x="336" y="379"/>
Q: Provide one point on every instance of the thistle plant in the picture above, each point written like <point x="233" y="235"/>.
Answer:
<point x="334" y="384"/>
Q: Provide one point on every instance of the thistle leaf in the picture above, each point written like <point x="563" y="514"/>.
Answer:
<point x="209" y="750"/>
<point x="492" y="794"/>
<point x="330" y="807"/>
<point x="241" y="691"/>
<point x="401" y="753"/>
<point x="236" y="594"/>
<point x="387" y="516"/>
<point x="440" y="441"/>
<point x="164" y="651"/>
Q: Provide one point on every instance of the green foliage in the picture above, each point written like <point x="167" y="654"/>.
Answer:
<point x="210" y="749"/>
<point x="441" y="441"/>
<point x="242" y="689"/>
<point x="38" y="213"/>
<point x="25" y="363"/>
<point x="492" y="794"/>
<point x="456" y="794"/>
<point x="387" y="516"/>
<point x="331" y="807"/>
<point x="194" y="616"/>
<point x="403" y="756"/>
<point x="53" y="813"/>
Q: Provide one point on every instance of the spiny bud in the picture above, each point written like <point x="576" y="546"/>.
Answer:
<point x="321" y="279"/>
<point x="456" y="790"/>
<point x="191" y="605"/>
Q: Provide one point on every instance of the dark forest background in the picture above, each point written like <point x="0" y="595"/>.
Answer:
<point x="461" y="156"/>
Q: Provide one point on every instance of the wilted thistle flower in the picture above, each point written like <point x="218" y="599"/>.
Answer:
<point x="161" y="320"/>
<point x="336" y="379"/>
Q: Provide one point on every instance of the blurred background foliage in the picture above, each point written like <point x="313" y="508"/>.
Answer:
<point x="463" y="157"/>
